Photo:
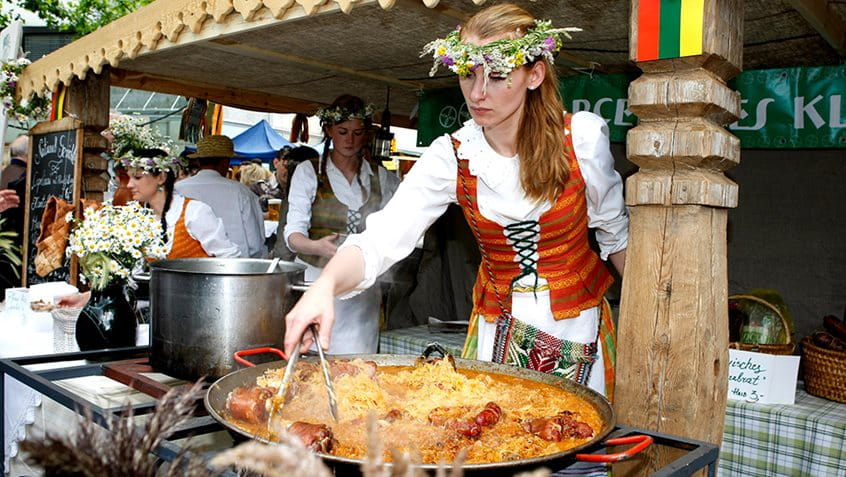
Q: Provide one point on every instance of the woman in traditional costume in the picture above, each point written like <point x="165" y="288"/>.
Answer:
<point x="531" y="180"/>
<point x="190" y="228"/>
<point x="331" y="197"/>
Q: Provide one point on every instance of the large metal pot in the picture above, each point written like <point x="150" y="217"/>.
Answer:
<point x="203" y="310"/>
<point x="218" y="392"/>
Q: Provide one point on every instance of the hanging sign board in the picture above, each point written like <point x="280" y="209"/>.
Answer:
<point x="786" y="108"/>
<point x="762" y="378"/>
<point x="55" y="169"/>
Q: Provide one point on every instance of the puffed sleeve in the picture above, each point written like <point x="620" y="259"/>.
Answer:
<point x="604" y="188"/>
<point x="207" y="228"/>
<point x="423" y="196"/>
<point x="300" y="197"/>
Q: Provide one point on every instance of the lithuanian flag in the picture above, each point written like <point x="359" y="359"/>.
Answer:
<point x="669" y="28"/>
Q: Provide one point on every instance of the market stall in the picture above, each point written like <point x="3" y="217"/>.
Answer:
<point x="679" y="198"/>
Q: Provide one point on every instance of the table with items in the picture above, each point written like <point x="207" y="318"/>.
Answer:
<point x="806" y="438"/>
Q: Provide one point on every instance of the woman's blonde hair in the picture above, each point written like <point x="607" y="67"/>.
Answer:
<point x="544" y="168"/>
<point x="252" y="173"/>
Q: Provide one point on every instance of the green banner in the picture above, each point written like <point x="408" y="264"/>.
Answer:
<point x="789" y="108"/>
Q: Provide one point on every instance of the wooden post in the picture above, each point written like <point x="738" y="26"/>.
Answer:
<point x="673" y="329"/>
<point x="88" y="101"/>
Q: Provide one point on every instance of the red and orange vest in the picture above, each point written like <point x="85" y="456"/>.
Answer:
<point x="185" y="246"/>
<point x="576" y="276"/>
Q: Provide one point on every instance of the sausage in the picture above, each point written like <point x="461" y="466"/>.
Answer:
<point x="558" y="427"/>
<point x="490" y="415"/>
<point x="828" y="341"/>
<point x="466" y="428"/>
<point x="316" y="437"/>
<point x="835" y="326"/>
<point x="248" y="403"/>
<point x="342" y="368"/>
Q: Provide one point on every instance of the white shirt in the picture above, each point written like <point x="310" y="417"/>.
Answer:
<point x="234" y="203"/>
<point x="304" y="189"/>
<point x="202" y="226"/>
<point x="430" y="187"/>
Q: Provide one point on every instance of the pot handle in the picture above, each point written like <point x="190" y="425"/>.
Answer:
<point x="239" y="355"/>
<point x="642" y="441"/>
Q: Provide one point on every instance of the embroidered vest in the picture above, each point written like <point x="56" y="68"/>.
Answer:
<point x="331" y="216"/>
<point x="576" y="276"/>
<point x="185" y="246"/>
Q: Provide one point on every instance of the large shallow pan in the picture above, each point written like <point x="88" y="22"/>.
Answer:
<point x="215" y="402"/>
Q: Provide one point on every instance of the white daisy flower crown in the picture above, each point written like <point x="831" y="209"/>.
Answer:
<point x="499" y="57"/>
<point x="153" y="164"/>
<point x="337" y="114"/>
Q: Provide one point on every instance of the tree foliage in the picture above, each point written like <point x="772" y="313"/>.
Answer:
<point x="78" y="16"/>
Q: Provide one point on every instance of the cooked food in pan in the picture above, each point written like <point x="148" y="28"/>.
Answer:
<point x="430" y="409"/>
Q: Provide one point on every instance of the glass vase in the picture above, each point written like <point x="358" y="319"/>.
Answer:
<point x="108" y="320"/>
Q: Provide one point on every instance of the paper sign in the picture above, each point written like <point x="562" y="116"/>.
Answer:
<point x="762" y="378"/>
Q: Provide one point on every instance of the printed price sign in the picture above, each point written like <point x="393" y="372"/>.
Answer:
<point x="762" y="378"/>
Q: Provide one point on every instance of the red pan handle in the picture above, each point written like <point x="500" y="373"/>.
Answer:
<point x="239" y="355"/>
<point x="643" y="441"/>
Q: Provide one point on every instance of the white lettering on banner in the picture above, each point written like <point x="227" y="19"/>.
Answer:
<point x="622" y="109"/>
<point x="800" y="110"/>
<point x="597" y="107"/>
<point x="762" y="378"/>
<point x="760" y="115"/>
<point x="834" y="118"/>
<point x="620" y="112"/>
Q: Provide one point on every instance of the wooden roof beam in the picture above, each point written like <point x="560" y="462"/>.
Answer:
<point x="276" y="56"/>
<point x="252" y="100"/>
<point x="825" y="19"/>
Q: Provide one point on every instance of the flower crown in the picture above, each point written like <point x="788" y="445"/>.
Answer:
<point x="499" y="57"/>
<point x="337" y="114"/>
<point x="153" y="164"/>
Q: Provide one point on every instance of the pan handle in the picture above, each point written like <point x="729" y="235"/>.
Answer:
<point x="641" y="442"/>
<point x="301" y="287"/>
<point x="239" y="355"/>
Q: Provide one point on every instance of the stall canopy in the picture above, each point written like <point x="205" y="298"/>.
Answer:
<point x="260" y="141"/>
<point x="296" y="55"/>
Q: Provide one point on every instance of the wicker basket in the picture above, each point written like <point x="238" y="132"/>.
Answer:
<point x="825" y="371"/>
<point x="784" y="349"/>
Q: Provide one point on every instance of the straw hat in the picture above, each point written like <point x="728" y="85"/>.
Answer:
<point x="214" y="146"/>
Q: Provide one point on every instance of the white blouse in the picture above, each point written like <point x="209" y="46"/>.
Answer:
<point x="202" y="225"/>
<point x="430" y="187"/>
<point x="304" y="189"/>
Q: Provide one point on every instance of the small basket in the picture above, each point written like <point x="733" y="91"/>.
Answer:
<point x="781" y="349"/>
<point x="825" y="371"/>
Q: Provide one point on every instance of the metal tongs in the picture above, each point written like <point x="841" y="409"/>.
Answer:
<point x="278" y="401"/>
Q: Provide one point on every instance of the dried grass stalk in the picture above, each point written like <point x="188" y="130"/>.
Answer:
<point x="121" y="448"/>
<point x="288" y="459"/>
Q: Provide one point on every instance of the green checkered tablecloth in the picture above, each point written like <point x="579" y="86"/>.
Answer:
<point x="805" y="439"/>
<point x="414" y="340"/>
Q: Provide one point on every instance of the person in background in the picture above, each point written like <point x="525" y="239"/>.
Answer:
<point x="231" y="201"/>
<point x="260" y="182"/>
<point x="531" y="180"/>
<point x="190" y="228"/>
<point x="18" y="154"/>
<point x="332" y="197"/>
<point x="285" y="164"/>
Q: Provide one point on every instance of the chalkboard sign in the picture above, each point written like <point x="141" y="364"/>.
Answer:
<point x="55" y="169"/>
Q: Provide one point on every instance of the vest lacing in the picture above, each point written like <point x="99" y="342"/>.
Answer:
<point x="524" y="238"/>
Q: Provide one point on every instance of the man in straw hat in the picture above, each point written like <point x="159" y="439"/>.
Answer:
<point x="231" y="201"/>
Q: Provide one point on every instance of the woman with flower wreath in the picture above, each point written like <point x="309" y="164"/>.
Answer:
<point x="331" y="197"/>
<point x="189" y="227"/>
<point x="531" y="180"/>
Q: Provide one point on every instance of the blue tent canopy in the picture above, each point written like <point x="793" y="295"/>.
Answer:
<point x="260" y="141"/>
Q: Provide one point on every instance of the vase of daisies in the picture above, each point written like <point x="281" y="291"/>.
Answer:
<point x="109" y="242"/>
